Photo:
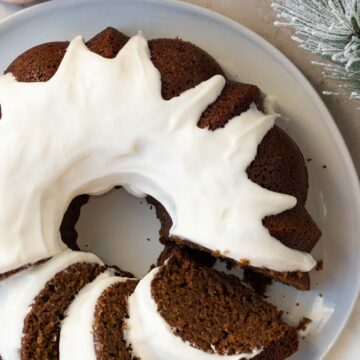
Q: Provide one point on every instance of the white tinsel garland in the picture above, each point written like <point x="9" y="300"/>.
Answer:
<point x="331" y="29"/>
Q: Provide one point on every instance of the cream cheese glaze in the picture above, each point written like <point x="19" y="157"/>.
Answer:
<point x="76" y="336"/>
<point x="151" y="338"/>
<point x="18" y="292"/>
<point x="103" y="122"/>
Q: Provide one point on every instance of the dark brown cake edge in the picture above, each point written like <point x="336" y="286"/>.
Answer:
<point x="282" y="349"/>
<point x="4" y="276"/>
<point x="299" y="280"/>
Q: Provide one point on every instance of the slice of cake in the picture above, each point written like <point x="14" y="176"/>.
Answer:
<point x="184" y="310"/>
<point x="33" y="302"/>
<point x="110" y="313"/>
<point x="93" y="326"/>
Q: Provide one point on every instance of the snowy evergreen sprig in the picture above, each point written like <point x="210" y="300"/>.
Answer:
<point x="331" y="29"/>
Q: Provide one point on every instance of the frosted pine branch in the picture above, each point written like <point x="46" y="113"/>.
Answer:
<point x="331" y="29"/>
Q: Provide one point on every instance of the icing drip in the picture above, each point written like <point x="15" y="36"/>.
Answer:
<point x="102" y="122"/>
<point x="18" y="292"/>
<point x="151" y="338"/>
<point x="76" y="336"/>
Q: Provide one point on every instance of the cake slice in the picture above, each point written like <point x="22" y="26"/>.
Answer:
<point x="184" y="310"/>
<point x="33" y="302"/>
<point x="110" y="313"/>
<point x="93" y="325"/>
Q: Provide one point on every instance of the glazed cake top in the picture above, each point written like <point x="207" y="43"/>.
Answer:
<point x="103" y="122"/>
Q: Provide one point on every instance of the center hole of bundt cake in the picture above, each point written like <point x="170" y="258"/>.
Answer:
<point x="121" y="229"/>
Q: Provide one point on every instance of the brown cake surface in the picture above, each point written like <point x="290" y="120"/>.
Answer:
<point x="110" y="313"/>
<point x="278" y="166"/>
<point x="42" y="325"/>
<point x="210" y="309"/>
<point x="202" y="257"/>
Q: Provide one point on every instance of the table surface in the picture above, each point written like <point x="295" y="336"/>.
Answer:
<point x="258" y="16"/>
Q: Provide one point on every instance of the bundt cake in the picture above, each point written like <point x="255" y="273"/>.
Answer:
<point x="160" y="119"/>
<point x="183" y="302"/>
<point x="278" y="165"/>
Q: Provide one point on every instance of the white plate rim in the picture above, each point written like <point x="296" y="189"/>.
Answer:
<point x="342" y="149"/>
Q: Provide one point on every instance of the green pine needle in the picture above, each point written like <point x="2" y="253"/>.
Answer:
<point x="330" y="29"/>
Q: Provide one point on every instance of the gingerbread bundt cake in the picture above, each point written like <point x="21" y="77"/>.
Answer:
<point x="226" y="182"/>
<point x="278" y="165"/>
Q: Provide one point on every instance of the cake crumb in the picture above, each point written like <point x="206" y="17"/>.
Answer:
<point x="303" y="323"/>
<point x="308" y="159"/>
<point x="216" y="253"/>
<point x="324" y="166"/>
<point x="148" y="239"/>
<point x="297" y="304"/>
<point x="244" y="262"/>
<point x="319" y="265"/>
<point x="226" y="251"/>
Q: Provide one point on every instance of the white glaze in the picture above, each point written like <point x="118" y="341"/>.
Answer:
<point x="18" y="292"/>
<point x="76" y="336"/>
<point x="102" y="122"/>
<point x="151" y="338"/>
<point x="320" y="312"/>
